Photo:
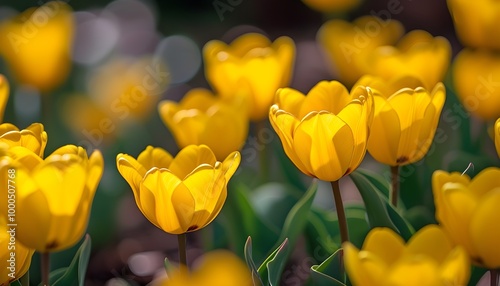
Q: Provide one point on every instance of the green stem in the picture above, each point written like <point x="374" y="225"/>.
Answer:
<point x="493" y="277"/>
<point x="45" y="268"/>
<point x="344" y="234"/>
<point x="181" y="238"/>
<point x="395" y="185"/>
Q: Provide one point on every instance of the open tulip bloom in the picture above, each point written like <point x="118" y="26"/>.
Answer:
<point x="429" y="258"/>
<point x="33" y="137"/>
<point x="181" y="194"/>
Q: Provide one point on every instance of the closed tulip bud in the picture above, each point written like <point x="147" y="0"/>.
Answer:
<point x="15" y="258"/>
<point x="347" y="44"/>
<point x="251" y="67"/>
<point x="324" y="133"/>
<point x="202" y="118"/>
<point x="40" y="38"/>
<point x="429" y="258"/>
<point x="477" y="23"/>
<point x="404" y="122"/>
<point x="467" y="209"/>
<point x="180" y="194"/>
<point x="411" y="57"/>
<point x="475" y="77"/>
<point x="33" y="138"/>
<point x="4" y="95"/>
<point x="53" y="196"/>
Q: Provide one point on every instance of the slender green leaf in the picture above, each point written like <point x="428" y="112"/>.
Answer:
<point x="277" y="263"/>
<point x="327" y="273"/>
<point x="251" y="264"/>
<point x="75" y="273"/>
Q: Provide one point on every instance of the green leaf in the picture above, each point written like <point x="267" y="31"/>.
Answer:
<point x="251" y="264"/>
<point x="380" y="211"/>
<point x="75" y="273"/>
<point x="169" y="267"/>
<point x="293" y="227"/>
<point x="327" y="273"/>
<point x="240" y="220"/>
<point x="277" y="263"/>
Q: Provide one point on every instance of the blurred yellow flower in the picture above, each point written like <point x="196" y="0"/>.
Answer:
<point x="33" y="137"/>
<point x="37" y="43"/>
<point x="15" y="257"/>
<point x="134" y="93"/>
<point x="411" y="57"/>
<point x="180" y="194"/>
<point x="347" y="44"/>
<point x="324" y="133"/>
<point x="497" y="136"/>
<point x="331" y="6"/>
<point x="404" y="122"/>
<point x="477" y="23"/>
<point x="475" y="77"/>
<point x="216" y="268"/>
<point x="468" y="211"/>
<point x="428" y="258"/>
<point x="4" y="95"/>
<point x="53" y="196"/>
<point x="202" y="118"/>
<point x="251" y="67"/>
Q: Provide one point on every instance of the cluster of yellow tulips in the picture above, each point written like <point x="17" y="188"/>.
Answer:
<point x="387" y="101"/>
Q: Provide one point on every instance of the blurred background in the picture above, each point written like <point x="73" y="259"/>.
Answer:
<point x="114" y="43"/>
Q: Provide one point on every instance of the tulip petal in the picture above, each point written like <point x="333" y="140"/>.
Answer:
<point x="485" y="181"/>
<point x="484" y="230"/>
<point x="385" y="132"/>
<point x="325" y="145"/>
<point x="284" y="125"/>
<point x="190" y="158"/>
<point x="25" y="157"/>
<point x="385" y="244"/>
<point x="364" y="269"/>
<point x="459" y="205"/>
<point x="230" y="164"/>
<point x="166" y="201"/>
<point x="290" y="100"/>
<point x="414" y="271"/>
<point x="154" y="157"/>
<point x="455" y="270"/>
<point x="430" y="241"/>
<point x="4" y="96"/>
<point x="497" y="136"/>
<point x="331" y="96"/>
<point x="95" y="170"/>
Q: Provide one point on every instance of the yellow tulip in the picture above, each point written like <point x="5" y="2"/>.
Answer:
<point x="53" y="196"/>
<point x="428" y="258"/>
<point x="4" y="95"/>
<point x="404" y="122"/>
<point x="216" y="268"/>
<point x="133" y="94"/>
<point x="33" y="138"/>
<point x="477" y="23"/>
<point x="324" y="133"/>
<point x="468" y="211"/>
<point x="411" y="57"/>
<point x="37" y="43"/>
<point x="202" y="118"/>
<point x="180" y="194"/>
<point x="251" y="67"/>
<point x="15" y="257"/>
<point x="475" y="77"/>
<point x="497" y="136"/>
<point x="331" y="6"/>
<point x="347" y="44"/>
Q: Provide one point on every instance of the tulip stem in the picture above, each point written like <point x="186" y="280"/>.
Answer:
<point x="45" y="266"/>
<point x="395" y="185"/>
<point x="181" y="238"/>
<point x="344" y="234"/>
<point x="494" y="277"/>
